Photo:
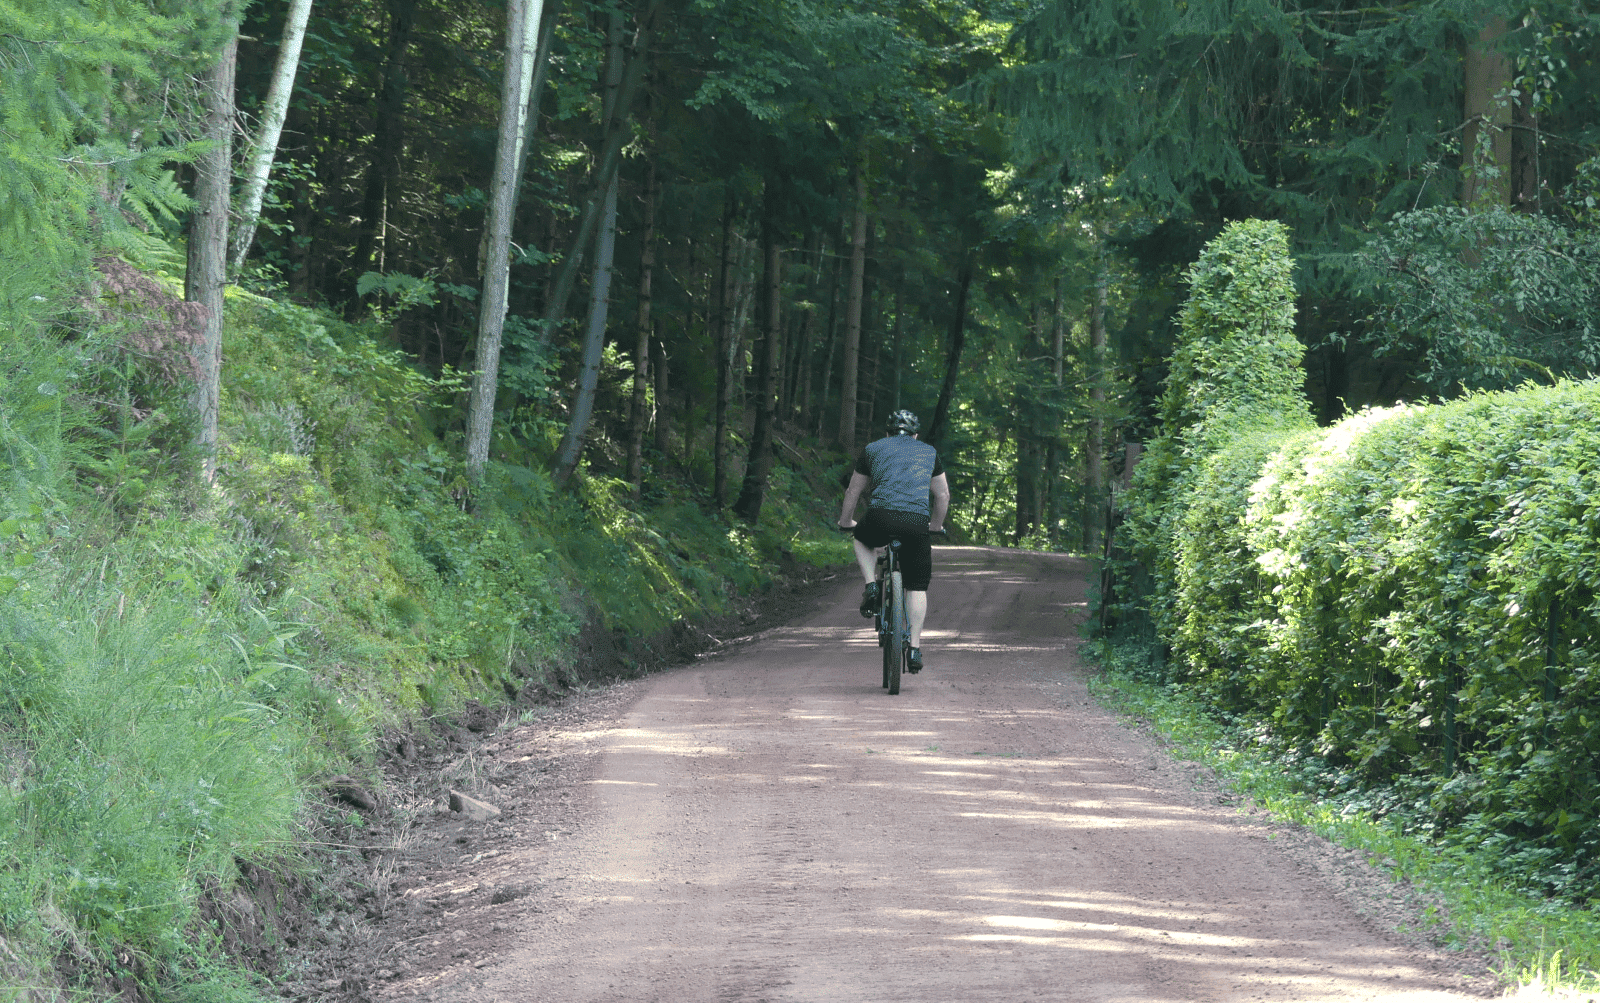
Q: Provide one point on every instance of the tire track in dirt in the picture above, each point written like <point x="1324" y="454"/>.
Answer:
<point x="771" y="826"/>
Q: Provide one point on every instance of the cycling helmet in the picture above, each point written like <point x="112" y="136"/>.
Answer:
<point x="902" y="423"/>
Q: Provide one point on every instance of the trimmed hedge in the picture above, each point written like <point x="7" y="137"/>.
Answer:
<point x="1410" y="594"/>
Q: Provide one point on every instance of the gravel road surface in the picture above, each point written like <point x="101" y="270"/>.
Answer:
<point x="770" y="825"/>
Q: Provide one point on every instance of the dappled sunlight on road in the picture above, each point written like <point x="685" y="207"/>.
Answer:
<point x="776" y="827"/>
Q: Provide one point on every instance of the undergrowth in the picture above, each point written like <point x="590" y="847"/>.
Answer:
<point x="184" y="664"/>
<point x="1538" y="940"/>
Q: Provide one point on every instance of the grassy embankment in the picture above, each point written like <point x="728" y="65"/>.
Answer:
<point x="186" y="664"/>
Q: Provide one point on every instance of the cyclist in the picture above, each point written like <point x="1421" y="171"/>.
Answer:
<point x="903" y="472"/>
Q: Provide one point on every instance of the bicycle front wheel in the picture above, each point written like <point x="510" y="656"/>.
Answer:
<point x="894" y="653"/>
<point x="884" y="619"/>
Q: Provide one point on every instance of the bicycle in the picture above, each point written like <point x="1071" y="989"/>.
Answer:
<point x="892" y="622"/>
<point x="894" y="626"/>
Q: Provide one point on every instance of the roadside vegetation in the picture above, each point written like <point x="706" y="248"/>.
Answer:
<point x="188" y="663"/>
<point x="1392" y="615"/>
<point x="366" y="357"/>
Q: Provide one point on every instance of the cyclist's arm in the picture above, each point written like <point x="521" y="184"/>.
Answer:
<point x="852" y="494"/>
<point x="939" y="487"/>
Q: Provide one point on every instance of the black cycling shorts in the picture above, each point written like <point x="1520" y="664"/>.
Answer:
<point x="916" y="548"/>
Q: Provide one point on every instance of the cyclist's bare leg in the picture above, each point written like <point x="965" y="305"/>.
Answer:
<point x="867" y="558"/>
<point x="917" y="611"/>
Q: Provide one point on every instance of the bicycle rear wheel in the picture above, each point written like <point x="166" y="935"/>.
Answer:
<point x="894" y="653"/>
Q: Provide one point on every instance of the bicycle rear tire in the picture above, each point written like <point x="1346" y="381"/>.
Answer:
<point x="894" y="654"/>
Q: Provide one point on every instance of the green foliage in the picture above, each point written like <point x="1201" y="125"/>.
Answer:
<point x="153" y="760"/>
<point x="1411" y="595"/>
<point x="1322" y="115"/>
<point x="1237" y="349"/>
<point x="73" y="78"/>
<point x="1488" y="297"/>
<point x="1234" y="383"/>
<point x="179" y="660"/>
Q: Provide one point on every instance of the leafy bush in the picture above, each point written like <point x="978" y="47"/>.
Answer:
<point x="1429" y="579"/>
<point x="1410" y="595"/>
<point x="1487" y="296"/>
<point x="1235" y="372"/>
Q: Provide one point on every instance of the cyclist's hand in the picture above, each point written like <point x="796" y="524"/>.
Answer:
<point x="847" y="524"/>
<point x="935" y="529"/>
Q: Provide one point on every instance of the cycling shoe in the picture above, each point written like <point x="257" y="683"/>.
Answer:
<point x="870" y="599"/>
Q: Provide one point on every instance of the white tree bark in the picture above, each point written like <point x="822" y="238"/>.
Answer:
<point x="265" y="145"/>
<point x="522" y="29"/>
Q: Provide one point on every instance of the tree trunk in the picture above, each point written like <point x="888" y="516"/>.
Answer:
<point x="1486" y="139"/>
<point x="894" y="394"/>
<point x="265" y="146"/>
<point x="872" y="335"/>
<point x="738" y="353"/>
<point x="852" y="316"/>
<point x="388" y="136"/>
<point x="208" y="243"/>
<point x="1027" y="469"/>
<point x="724" y="361"/>
<point x="594" y="341"/>
<point x="1029" y="483"/>
<point x="1052" y="462"/>
<point x="1524" y="155"/>
<point x="522" y="19"/>
<point x="619" y="101"/>
<point x="641" y="344"/>
<point x="828" y="355"/>
<point x="541" y="67"/>
<point x="808" y="355"/>
<point x="759" y="467"/>
<point x="958" y="339"/>
<point x="1094" y="447"/>
<point x="571" y="451"/>
<point x="660" y="365"/>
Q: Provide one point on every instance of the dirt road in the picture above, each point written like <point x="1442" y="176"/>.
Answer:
<point x="769" y="825"/>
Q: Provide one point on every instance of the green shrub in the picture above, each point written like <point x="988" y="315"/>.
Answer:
<point x="1412" y="595"/>
<point x="1235" y="373"/>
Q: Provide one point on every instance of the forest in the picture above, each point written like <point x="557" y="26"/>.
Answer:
<point x="366" y="357"/>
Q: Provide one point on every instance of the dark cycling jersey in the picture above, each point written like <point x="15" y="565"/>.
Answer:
<point x="900" y="468"/>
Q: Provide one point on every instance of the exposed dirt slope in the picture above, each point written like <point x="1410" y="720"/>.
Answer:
<point x="770" y="825"/>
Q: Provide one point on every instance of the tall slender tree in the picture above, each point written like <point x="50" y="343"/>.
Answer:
<point x="522" y="22"/>
<point x="723" y="351"/>
<point x="1094" y="447"/>
<point x="852" y="313"/>
<point x="616" y="132"/>
<point x="206" y="275"/>
<point x="639" y="409"/>
<point x="264" y="145"/>
<point x="388" y="137"/>
<point x="571" y="450"/>
<point x="957" y="343"/>
<point x="759" y="466"/>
